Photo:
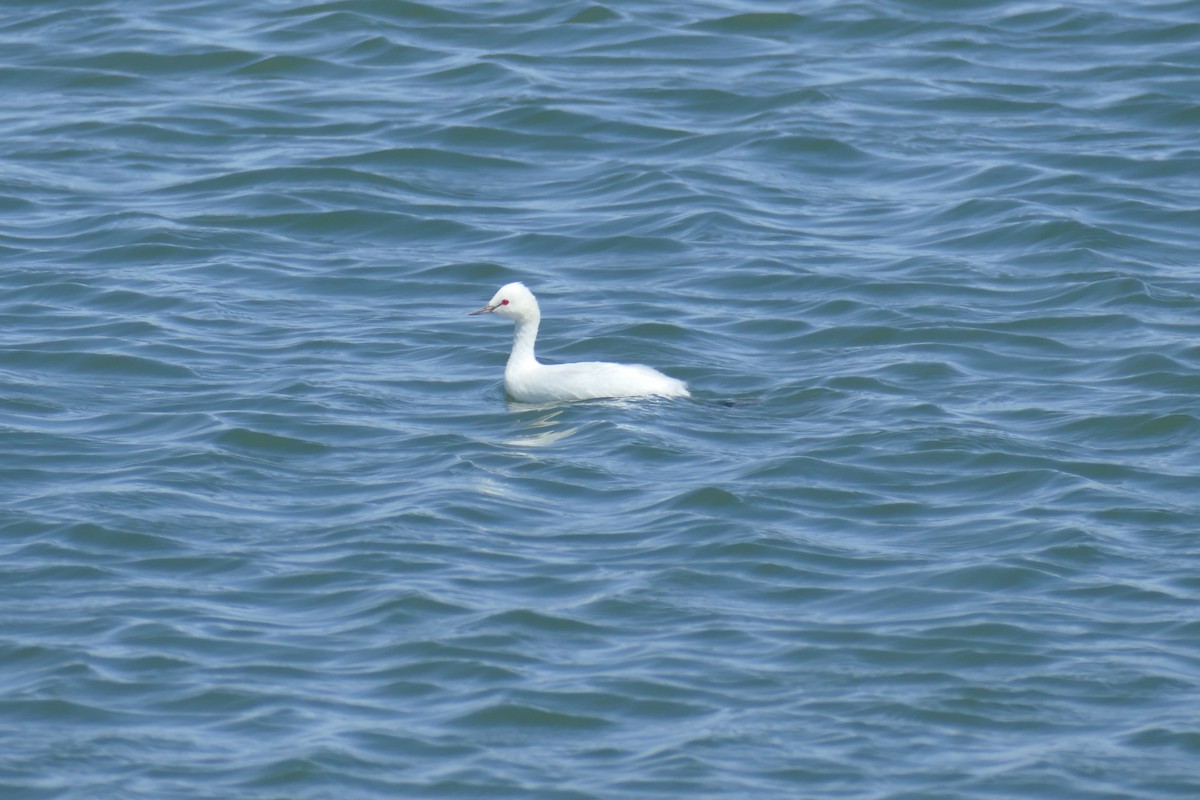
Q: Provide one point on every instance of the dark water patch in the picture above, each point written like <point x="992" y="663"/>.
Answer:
<point x="401" y="12"/>
<point x="287" y="177"/>
<point x="683" y="50"/>
<point x="556" y="245"/>
<point x="190" y="566"/>
<point x="79" y="364"/>
<point x="484" y="273"/>
<point x="518" y="716"/>
<point x="399" y="161"/>
<point x="246" y="440"/>
<point x="1153" y="371"/>
<point x="1047" y="20"/>
<point x="1186" y="741"/>
<point x="1143" y="429"/>
<point x="294" y="67"/>
<point x="59" y="79"/>
<point x="1042" y="234"/>
<point x="477" y="74"/>
<point x="990" y="107"/>
<point x="821" y="155"/>
<point x="380" y="52"/>
<point x="535" y="146"/>
<point x="594" y="14"/>
<point x="144" y="63"/>
<point x="758" y="24"/>
<point x="374" y="226"/>
<point x="96" y="538"/>
<point x="56" y="711"/>
<point x="993" y="578"/>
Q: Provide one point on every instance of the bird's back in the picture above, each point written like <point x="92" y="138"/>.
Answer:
<point x="547" y="383"/>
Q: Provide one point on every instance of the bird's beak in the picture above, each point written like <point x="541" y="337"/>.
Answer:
<point x="484" y="310"/>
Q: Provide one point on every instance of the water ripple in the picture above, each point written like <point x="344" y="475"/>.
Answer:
<point x="271" y="529"/>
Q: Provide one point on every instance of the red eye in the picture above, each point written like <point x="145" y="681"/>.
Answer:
<point x="503" y="302"/>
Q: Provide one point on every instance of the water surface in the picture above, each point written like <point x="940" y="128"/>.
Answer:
<point x="927" y="527"/>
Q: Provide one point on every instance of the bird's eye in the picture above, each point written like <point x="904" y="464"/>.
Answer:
<point x="503" y="302"/>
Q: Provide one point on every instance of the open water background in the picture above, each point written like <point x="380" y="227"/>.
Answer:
<point x="928" y="528"/>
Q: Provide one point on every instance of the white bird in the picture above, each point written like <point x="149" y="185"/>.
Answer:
<point x="529" y="381"/>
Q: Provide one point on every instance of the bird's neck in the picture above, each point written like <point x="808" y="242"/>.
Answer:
<point x="523" y="339"/>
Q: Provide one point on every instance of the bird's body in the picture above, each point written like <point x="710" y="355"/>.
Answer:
<point x="529" y="381"/>
<point x="585" y="380"/>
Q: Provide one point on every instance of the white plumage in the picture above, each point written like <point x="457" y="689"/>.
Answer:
<point x="529" y="381"/>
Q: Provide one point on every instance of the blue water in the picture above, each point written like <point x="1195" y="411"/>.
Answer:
<point x="926" y="529"/>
